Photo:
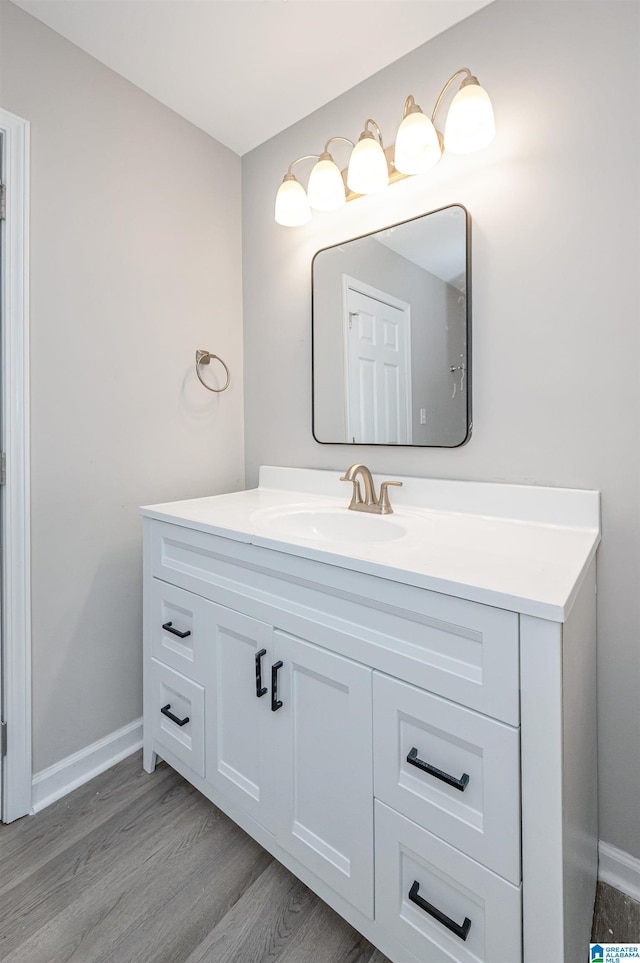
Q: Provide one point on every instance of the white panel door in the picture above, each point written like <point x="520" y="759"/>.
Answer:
<point x="239" y="718"/>
<point x="323" y="734"/>
<point x="378" y="371"/>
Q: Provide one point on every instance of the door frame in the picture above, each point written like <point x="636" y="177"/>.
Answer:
<point x="16" y="528"/>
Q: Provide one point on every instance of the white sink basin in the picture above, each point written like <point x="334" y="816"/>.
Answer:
<point x="331" y="524"/>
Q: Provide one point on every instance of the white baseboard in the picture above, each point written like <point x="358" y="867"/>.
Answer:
<point x="619" y="869"/>
<point x="70" y="773"/>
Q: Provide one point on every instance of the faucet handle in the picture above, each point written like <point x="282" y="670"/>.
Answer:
<point x="385" y="504"/>
<point x="356" y="497"/>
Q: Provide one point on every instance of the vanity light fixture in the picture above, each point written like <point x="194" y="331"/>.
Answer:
<point x="326" y="187"/>
<point x="419" y="145"/>
<point x="368" y="171"/>
<point x="470" y="123"/>
<point x="292" y="203"/>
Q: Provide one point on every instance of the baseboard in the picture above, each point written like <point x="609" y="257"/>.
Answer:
<point x="70" y="773"/>
<point x="619" y="869"/>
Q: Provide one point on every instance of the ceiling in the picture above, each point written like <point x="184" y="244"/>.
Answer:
<point x="244" y="70"/>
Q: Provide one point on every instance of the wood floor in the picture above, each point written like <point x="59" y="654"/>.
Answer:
<point x="616" y="918"/>
<point x="133" y="868"/>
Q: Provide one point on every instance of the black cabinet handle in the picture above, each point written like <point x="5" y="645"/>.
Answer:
<point x="170" y="715"/>
<point x="460" y="783"/>
<point x="461" y="931"/>
<point x="260" y="688"/>
<point x="168" y="626"/>
<point x="275" y="702"/>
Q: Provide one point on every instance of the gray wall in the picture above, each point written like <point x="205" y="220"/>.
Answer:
<point x="554" y="204"/>
<point x="135" y="263"/>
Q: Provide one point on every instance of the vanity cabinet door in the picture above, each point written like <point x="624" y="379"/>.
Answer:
<point x="323" y="735"/>
<point x="239" y="723"/>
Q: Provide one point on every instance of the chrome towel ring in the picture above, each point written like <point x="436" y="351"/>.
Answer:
<point x="204" y="357"/>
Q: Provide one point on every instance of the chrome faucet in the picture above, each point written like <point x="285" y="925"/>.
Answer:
<point x="376" y="506"/>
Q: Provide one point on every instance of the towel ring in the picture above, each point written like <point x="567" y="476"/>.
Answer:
<point x="204" y="357"/>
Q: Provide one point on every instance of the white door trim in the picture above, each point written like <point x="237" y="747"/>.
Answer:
<point x="16" y="534"/>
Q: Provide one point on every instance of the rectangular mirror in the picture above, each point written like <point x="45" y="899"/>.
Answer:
<point x="392" y="335"/>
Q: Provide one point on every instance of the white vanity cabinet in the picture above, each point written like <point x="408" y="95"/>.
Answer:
<point x="287" y="728"/>
<point x="424" y="761"/>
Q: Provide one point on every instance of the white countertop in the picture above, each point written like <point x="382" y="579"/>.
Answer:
<point x="518" y="547"/>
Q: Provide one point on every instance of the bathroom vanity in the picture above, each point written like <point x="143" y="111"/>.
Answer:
<point x="400" y="708"/>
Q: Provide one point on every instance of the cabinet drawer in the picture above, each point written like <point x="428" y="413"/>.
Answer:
<point x="184" y="699"/>
<point x="461" y="650"/>
<point x="412" y="862"/>
<point x="178" y="632"/>
<point x="472" y="799"/>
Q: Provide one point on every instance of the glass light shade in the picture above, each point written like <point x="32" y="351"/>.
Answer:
<point x="326" y="187"/>
<point x="470" y="123"/>
<point x="292" y="206"/>
<point x="417" y="144"/>
<point x="368" y="171"/>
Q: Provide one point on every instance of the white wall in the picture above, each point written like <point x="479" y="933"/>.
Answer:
<point x="135" y="263"/>
<point x="554" y="204"/>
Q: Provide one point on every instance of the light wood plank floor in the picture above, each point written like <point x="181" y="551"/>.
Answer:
<point x="132" y="868"/>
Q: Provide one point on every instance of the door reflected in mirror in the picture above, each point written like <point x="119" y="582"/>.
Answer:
<point x="391" y="335"/>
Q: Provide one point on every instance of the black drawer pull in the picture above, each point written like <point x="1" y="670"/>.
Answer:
<point x="168" y="626"/>
<point x="260" y="688"/>
<point x="170" y="715"/>
<point x="461" y="931"/>
<point x="460" y="783"/>
<point x="275" y="702"/>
